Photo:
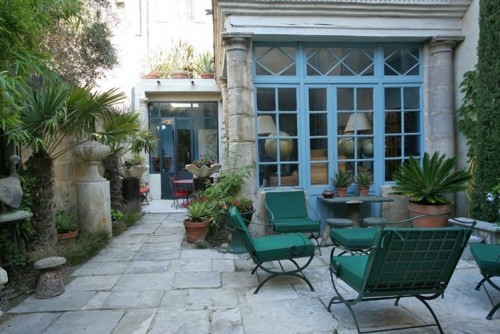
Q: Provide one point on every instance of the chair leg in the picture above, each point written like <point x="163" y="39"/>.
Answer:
<point x="316" y="238"/>
<point x="487" y="278"/>
<point x="296" y="273"/>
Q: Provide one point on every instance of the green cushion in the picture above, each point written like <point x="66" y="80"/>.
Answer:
<point x="487" y="257"/>
<point x="354" y="238"/>
<point x="304" y="224"/>
<point x="286" y="204"/>
<point x="282" y="247"/>
<point x="350" y="269"/>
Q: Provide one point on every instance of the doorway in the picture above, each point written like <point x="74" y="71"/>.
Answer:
<point x="185" y="131"/>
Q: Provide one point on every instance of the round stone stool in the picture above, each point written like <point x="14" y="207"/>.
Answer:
<point x="339" y="222"/>
<point x="50" y="282"/>
<point x="374" y="222"/>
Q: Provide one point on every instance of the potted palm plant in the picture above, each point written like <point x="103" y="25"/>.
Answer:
<point x="426" y="185"/>
<point x="198" y="222"/>
<point x="341" y="181"/>
<point x="205" y="65"/>
<point x="363" y="180"/>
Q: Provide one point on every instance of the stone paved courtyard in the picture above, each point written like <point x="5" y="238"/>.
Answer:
<point x="149" y="281"/>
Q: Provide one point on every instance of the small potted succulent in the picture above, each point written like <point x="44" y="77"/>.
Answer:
<point x="67" y="228"/>
<point x="363" y="180"/>
<point x="198" y="221"/>
<point x="341" y="181"/>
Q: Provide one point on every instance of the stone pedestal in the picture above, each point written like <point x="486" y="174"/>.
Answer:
<point x="93" y="195"/>
<point x="94" y="207"/>
<point x="50" y="282"/>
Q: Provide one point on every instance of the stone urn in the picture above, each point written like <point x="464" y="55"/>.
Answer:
<point x="132" y="171"/>
<point x="203" y="171"/>
<point x="92" y="153"/>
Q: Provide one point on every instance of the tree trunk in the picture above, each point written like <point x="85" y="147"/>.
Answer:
<point x="111" y="165"/>
<point x="41" y="166"/>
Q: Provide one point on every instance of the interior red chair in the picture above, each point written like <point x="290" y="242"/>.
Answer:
<point x="178" y="191"/>
<point x="144" y="191"/>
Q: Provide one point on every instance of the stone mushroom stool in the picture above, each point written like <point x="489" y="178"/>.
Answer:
<point x="50" y="282"/>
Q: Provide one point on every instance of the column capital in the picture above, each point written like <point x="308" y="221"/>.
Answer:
<point x="444" y="43"/>
<point x="236" y="41"/>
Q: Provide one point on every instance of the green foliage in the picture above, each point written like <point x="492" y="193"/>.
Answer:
<point x="487" y="146"/>
<point x="179" y="57"/>
<point x="65" y="222"/>
<point x="198" y="211"/>
<point x="205" y="63"/>
<point x="341" y="179"/>
<point x="428" y="182"/>
<point x="83" y="249"/>
<point x="116" y="215"/>
<point x="81" y="47"/>
<point x="363" y="179"/>
<point x="467" y="113"/>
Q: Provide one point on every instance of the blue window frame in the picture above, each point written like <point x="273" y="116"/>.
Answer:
<point x="356" y="107"/>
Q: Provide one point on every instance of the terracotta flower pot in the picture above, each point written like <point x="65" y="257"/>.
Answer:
<point x="196" y="230"/>
<point x="445" y="210"/>
<point x="341" y="192"/>
<point x="71" y="235"/>
<point x="363" y="191"/>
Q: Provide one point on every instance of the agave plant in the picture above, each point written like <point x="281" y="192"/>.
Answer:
<point x="429" y="182"/>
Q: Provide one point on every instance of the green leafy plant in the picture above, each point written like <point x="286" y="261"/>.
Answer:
<point x="65" y="222"/>
<point x="341" y="179"/>
<point x="198" y="211"/>
<point x="116" y="215"/>
<point x="203" y="161"/>
<point x="243" y="204"/>
<point x="205" y="63"/>
<point x="363" y="179"/>
<point x="429" y="182"/>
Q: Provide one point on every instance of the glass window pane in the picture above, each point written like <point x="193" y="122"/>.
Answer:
<point x="275" y="61"/>
<point x="392" y="99"/>
<point x="392" y="146"/>
<point x="318" y="125"/>
<point x="319" y="149"/>
<point x="319" y="173"/>
<point x="364" y="98"/>
<point x="287" y="99"/>
<point x="392" y="122"/>
<point x="412" y="146"/>
<point x="266" y="100"/>
<point x="401" y="61"/>
<point x="412" y="122"/>
<point x="345" y="98"/>
<point x="317" y="99"/>
<point x="411" y="97"/>
<point x="288" y="124"/>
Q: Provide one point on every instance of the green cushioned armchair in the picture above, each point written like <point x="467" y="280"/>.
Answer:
<point x="403" y="262"/>
<point x="275" y="247"/>
<point x="288" y="211"/>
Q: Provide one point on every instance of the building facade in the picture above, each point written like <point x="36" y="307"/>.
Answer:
<point x="311" y="87"/>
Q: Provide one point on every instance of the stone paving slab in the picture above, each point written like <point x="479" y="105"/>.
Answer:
<point x="29" y="323"/>
<point x="102" y="268"/>
<point x="84" y="322"/>
<point x="68" y="301"/>
<point x="126" y="300"/>
<point x="149" y="280"/>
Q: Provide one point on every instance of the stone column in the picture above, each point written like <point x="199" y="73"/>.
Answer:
<point x="239" y="107"/>
<point x="440" y="122"/>
<point x="93" y="196"/>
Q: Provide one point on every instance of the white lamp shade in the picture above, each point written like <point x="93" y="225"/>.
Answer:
<point x="265" y="124"/>
<point x="357" y="122"/>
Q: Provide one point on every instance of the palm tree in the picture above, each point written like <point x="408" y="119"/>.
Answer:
<point x="52" y="113"/>
<point x="122" y="132"/>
